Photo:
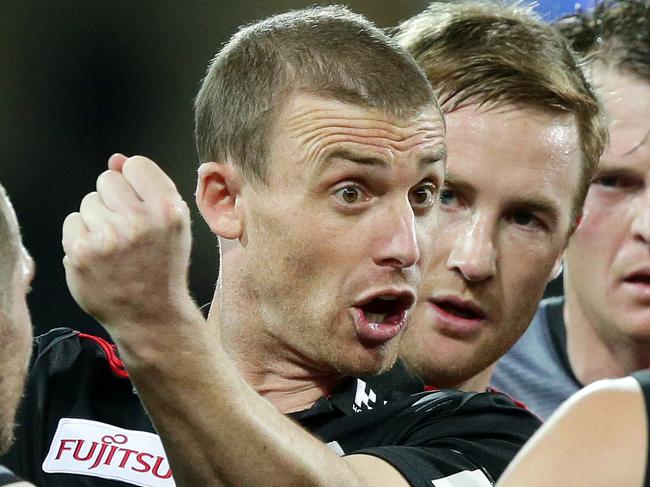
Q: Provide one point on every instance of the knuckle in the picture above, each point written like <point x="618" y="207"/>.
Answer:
<point x="135" y="162"/>
<point x="175" y="213"/>
<point x="104" y="179"/>
<point x="88" y="200"/>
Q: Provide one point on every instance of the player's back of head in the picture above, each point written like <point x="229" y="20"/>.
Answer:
<point x="616" y="33"/>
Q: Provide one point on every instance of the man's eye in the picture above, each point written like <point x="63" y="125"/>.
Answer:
<point x="619" y="182"/>
<point x="447" y="196"/>
<point x="350" y="195"/>
<point x="423" y="196"/>
<point x="609" y="181"/>
<point x="525" y="219"/>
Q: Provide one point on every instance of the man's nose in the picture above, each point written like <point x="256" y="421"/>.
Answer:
<point x="397" y="245"/>
<point x="641" y="218"/>
<point x="473" y="253"/>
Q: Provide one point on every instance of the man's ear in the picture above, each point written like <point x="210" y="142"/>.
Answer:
<point x="217" y="190"/>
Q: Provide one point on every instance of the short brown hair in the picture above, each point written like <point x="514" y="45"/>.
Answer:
<point x="503" y="53"/>
<point x="614" y="32"/>
<point x="326" y="51"/>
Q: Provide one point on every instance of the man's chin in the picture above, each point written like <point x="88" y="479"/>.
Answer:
<point x="373" y="366"/>
<point x="370" y="362"/>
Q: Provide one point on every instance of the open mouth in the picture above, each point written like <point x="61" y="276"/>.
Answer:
<point x="467" y="312"/>
<point x="386" y="309"/>
<point x="638" y="278"/>
<point x="381" y="318"/>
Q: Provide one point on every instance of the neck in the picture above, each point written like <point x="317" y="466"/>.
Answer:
<point x="478" y="383"/>
<point x="594" y="357"/>
<point x="281" y="375"/>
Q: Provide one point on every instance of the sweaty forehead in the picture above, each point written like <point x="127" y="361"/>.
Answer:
<point x="525" y="136"/>
<point x="314" y="121"/>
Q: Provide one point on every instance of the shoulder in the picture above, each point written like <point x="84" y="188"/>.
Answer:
<point x="63" y="348"/>
<point x="435" y="435"/>
<point x="8" y="479"/>
<point x="601" y="430"/>
<point x="548" y="313"/>
<point x="619" y="403"/>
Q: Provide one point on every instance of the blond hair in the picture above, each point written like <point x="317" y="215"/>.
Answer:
<point x="503" y="53"/>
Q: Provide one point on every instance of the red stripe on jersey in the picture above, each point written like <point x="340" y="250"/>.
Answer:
<point x="110" y="350"/>
<point x="518" y="403"/>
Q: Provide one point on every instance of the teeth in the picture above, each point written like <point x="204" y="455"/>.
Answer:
<point x="388" y="298"/>
<point x="376" y="317"/>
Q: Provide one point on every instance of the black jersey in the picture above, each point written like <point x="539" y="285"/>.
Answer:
<point x="82" y="424"/>
<point x="643" y="377"/>
<point x="7" y="477"/>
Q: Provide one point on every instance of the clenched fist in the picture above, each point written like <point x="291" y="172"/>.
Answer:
<point x="127" y="249"/>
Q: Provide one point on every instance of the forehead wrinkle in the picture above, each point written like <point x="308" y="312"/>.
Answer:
<point x="638" y="145"/>
<point x="370" y="153"/>
<point x="381" y="130"/>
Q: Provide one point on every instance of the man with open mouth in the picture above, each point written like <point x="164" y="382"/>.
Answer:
<point x="601" y="327"/>
<point x="524" y="133"/>
<point x="324" y="155"/>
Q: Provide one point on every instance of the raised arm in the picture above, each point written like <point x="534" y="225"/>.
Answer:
<point x="127" y="253"/>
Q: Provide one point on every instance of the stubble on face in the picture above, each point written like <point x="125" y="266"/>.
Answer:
<point x="506" y="165"/>
<point x="308" y="260"/>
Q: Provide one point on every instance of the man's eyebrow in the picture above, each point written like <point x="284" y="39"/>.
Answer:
<point x="459" y="184"/>
<point x="351" y="156"/>
<point x="439" y="154"/>
<point x="435" y="156"/>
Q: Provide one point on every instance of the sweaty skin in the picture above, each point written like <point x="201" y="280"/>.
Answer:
<point x="342" y="218"/>
<point x="506" y="209"/>
<point x="363" y="247"/>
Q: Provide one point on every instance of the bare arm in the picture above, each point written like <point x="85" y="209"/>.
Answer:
<point x="597" y="438"/>
<point x="127" y="254"/>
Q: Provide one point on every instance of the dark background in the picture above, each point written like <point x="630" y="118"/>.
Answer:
<point x="80" y="80"/>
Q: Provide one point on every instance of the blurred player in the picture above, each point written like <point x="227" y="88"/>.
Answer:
<point x="601" y="327"/>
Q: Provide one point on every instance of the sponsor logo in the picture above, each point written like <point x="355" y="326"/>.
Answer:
<point x="466" y="478"/>
<point x="85" y="447"/>
<point x="362" y="398"/>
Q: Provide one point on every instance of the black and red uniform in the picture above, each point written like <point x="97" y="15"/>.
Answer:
<point x="7" y="477"/>
<point x="82" y="424"/>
